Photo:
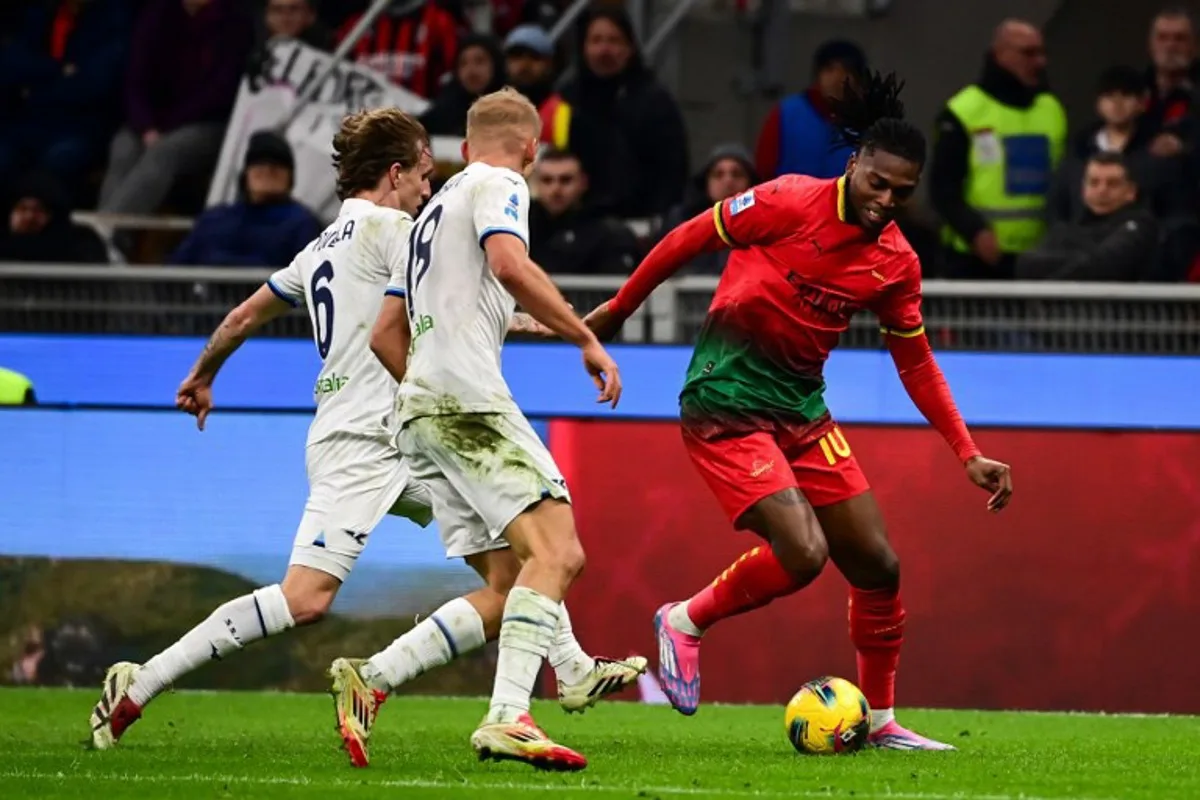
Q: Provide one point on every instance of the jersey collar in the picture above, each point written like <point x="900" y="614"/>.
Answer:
<point x="841" y="198"/>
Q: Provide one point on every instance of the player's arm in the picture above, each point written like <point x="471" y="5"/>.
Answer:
<point x="532" y="288"/>
<point x="525" y="325"/>
<point x="758" y="216"/>
<point x="391" y="338"/>
<point x="195" y="393"/>
<point x="904" y="333"/>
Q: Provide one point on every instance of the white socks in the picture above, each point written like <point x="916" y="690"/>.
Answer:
<point x="529" y="626"/>
<point x="230" y="628"/>
<point x="570" y="663"/>
<point x="453" y="630"/>
<point x="680" y="621"/>
<point x="881" y="717"/>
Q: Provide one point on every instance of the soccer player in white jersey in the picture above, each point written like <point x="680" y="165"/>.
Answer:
<point x="356" y="475"/>
<point x="489" y="475"/>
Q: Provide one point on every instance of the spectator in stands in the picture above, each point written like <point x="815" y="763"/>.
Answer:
<point x="1163" y="182"/>
<point x="479" y="69"/>
<point x="728" y="171"/>
<point x="285" y="19"/>
<point x="186" y="63"/>
<point x="529" y="61"/>
<point x="1173" y="73"/>
<point x="414" y="46"/>
<point x="1114" y="240"/>
<point x="40" y="230"/>
<point x="625" y="126"/>
<point x="265" y="227"/>
<point x="798" y="136"/>
<point x="998" y="144"/>
<point x="565" y="236"/>
<point x="60" y="77"/>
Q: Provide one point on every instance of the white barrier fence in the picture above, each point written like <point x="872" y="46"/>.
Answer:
<point x="1065" y="317"/>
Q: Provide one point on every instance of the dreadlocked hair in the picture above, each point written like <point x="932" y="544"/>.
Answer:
<point x="870" y="116"/>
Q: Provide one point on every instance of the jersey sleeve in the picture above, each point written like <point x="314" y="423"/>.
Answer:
<point x="287" y="284"/>
<point x="900" y="309"/>
<point x="501" y="205"/>
<point x="394" y="255"/>
<point x="760" y="215"/>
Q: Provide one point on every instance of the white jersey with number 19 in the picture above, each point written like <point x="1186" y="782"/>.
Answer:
<point x="338" y="278"/>
<point x="458" y="311"/>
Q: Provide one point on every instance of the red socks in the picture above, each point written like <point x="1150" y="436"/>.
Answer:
<point x="751" y="582"/>
<point x="877" y="630"/>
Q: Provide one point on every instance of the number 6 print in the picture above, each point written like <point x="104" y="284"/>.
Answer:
<point x="322" y="307"/>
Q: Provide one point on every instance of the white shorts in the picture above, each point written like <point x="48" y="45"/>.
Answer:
<point x="353" y="482"/>
<point x="482" y="471"/>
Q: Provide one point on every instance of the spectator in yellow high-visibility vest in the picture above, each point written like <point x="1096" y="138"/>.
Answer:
<point x="15" y="389"/>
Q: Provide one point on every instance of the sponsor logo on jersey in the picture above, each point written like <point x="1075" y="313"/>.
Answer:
<point x="740" y="203"/>
<point x="511" y="210"/>
<point x="330" y="384"/>
<point x="424" y="324"/>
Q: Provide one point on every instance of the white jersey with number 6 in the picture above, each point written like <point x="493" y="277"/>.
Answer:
<point x="458" y="311"/>
<point x="339" y="279"/>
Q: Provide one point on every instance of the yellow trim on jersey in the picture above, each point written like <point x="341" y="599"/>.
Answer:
<point x="841" y="184"/>
<point x="914" y="333"/>
<point x="721" y="225"/>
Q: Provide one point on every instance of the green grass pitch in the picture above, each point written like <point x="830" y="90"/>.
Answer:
<point x="230" y="745"/>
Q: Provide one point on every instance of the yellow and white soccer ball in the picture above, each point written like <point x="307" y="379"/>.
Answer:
<point x="828" y="715"/>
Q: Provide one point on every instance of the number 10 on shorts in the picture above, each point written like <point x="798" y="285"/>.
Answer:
<point x="834" y="446"/>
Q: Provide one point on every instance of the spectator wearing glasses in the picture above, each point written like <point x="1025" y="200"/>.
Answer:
<point x="997" y="146"/>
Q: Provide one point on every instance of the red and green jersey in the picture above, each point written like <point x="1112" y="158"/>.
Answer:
<point x="797" y="274"/>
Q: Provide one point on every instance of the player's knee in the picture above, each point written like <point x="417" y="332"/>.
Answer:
<point x="308" y="602"/>
<point x="880" y="570"/>
<point x="803" y="557"/>
<point x="573" y="559"/>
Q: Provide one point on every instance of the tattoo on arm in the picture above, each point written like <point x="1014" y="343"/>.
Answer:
<point x="523" y="323"/>
<point x="225" y="340"/>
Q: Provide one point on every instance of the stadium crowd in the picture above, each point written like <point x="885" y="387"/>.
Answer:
<point x="122" y="105"/>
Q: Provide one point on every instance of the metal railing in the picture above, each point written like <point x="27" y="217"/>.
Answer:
<point x="961" y="315"/>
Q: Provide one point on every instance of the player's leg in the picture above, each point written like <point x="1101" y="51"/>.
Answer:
<point x="858" y="545"/>
<point x="751" y="479"/>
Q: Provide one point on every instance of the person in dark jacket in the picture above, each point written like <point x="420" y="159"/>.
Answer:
<point x="60" y="77"/>
<point x="1122" y="128"/>
<point x="478" y="70"/>
<point x="1012" y="90"/>
<point x="567" y="237"/>
<point x="266" y="227"/>
<point x="625" y="126"/>
<point x="39" y="228"/>
<point x="728" y="171"/>
<point x="186" y="62"/>
<point x="1114" y="240"/>
<point x="1172" y="76"/>
<point x="285" y="19"/>
<point x="798" y="136"/>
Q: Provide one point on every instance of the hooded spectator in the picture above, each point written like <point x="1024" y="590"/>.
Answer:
<point x="186" y="63"/>
<point x="39" y="228"/>
<point x="625" y="126"/>
<point x="265" y="227"/>
<point x="478" y="70"/>
<point x="565" y="236"/>
<point x="60" y="78"/>
<point x="729" y="170"/>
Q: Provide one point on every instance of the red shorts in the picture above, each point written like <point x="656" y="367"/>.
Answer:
<point x="744" y="468"/>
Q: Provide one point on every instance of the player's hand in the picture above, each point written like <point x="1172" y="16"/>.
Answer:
<point x="195" y="397"/>
<point x="603" y="322"/>
<point x="603" y="370"/>
<point x="987" y="247"/>
<point x="993" y="476"/>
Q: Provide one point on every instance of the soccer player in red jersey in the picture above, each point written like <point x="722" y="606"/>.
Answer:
<point x="807" y="255"/>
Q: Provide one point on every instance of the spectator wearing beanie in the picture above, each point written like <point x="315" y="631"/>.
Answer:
<point x="265" y="227"/>
<point x="729" y="170"/>
<point x="38" y="227"/>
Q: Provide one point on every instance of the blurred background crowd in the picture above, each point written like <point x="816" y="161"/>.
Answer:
<point x="121" y="107"/>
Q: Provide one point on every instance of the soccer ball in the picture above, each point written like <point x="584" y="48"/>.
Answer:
<point x="828" y="715"/>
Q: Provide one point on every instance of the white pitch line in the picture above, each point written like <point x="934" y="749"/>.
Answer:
<point x="583" y="785"/>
